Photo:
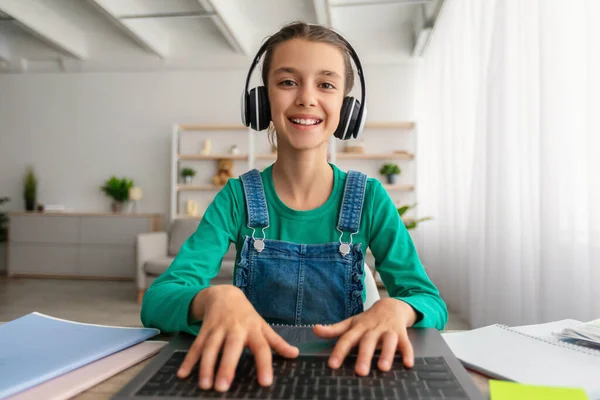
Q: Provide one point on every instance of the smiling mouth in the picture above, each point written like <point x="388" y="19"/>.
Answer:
<point x="305" y="122"/>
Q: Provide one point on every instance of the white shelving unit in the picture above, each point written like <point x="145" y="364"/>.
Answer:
<point x="255" y="154"/>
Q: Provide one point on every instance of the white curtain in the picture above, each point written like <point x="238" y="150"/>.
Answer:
<point x="508" y="147"/>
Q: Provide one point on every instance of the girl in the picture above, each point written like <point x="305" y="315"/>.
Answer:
<point x="292" y="265"/>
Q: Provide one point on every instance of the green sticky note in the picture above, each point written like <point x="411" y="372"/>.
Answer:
<point x="503" y="390"/>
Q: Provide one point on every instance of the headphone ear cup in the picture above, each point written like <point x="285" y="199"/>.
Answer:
<point x="259" y="111"/>
<point x="264" y="108"/>
<point x="348" y="116"/>
<point x="354" y="126"/>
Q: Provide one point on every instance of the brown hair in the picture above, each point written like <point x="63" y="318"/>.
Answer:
<point x="312" y="33"/>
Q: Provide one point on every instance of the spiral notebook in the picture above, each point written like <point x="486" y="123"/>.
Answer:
<point x="506" y="353"/>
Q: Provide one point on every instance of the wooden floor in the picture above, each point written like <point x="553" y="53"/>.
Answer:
<point x="98" y="302"/>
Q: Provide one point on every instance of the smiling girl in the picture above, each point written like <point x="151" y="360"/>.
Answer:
<point x="300" y="228"/>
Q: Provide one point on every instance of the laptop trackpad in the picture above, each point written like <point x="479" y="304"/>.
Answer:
<point x="304" y="338"/>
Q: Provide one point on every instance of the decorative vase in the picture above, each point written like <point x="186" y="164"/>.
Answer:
<point x="206" y="148"/>
<point x="187" y="179"/>
<point x="191" y="208"/>
<point x="116" y="206"/>
<point x="391" y="179"/>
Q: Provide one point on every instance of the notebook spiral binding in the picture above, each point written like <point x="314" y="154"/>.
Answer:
<point x="557" y="343"/>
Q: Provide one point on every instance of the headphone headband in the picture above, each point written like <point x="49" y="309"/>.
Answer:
<point x="362" y="109"/>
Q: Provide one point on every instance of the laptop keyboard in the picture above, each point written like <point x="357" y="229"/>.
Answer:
<point x="309" y="377"/>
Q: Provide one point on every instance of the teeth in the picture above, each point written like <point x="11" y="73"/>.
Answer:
<point x="305" y="121"/>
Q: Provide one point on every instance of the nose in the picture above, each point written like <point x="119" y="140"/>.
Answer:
<point x="306" y="96"/>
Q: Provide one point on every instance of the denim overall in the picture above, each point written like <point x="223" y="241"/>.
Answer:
<point x="302" y="284"/>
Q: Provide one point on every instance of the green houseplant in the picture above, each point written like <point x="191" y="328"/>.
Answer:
<point x="118" y="190"/>
<point x="391" y="171"/>
<point x="30" y="184"/>
<point x="3" y="221"/>
<point x="187" y="174"/>
<point x="410" y="223"/>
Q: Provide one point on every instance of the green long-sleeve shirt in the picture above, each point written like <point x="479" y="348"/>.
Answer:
<point x="167" y="300"/>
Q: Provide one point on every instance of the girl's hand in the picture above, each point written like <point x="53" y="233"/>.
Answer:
<point x="386" y="322"/>
<point x="231" y="323"/>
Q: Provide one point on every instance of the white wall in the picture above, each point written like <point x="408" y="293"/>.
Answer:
<point x="78" y="129"/>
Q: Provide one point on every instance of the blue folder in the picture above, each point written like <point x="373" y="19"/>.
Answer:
<point x="37" y="347"/>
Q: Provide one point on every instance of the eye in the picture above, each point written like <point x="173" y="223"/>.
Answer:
<point x="327" y="85"/>
<point x="287" y="82"/>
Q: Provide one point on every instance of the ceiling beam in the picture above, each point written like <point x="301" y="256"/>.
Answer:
<point x="224" y="18"/>
<point x="169" y="15"/>
<point x="49" y="25"/>
<point x="379" y="2"/>
<point x="149" y="36"/>
<point x="322" y="12"/>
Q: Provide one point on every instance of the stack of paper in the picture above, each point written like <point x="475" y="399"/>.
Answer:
<point x="585" y="334"/>
<point x="37" y="348"/>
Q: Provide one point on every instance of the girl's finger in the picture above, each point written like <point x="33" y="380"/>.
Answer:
<point x="406" y="349"/>
<point x="279" y="344"/>
<point x="234" y="345"/>
<point x="365" y="352"/>
<point x="333" y="331"/>
<point x="209" y="357"/>
<point x="345" y="344"/>
<point x="262" y="354"/>
<point x="389" y="342"/>
<point x="193" y="355"/>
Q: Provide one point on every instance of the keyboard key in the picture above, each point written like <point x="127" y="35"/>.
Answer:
<point x="369" y="382"/>
<point x="434" y="375"/>
<point x="415" y="384"/>
<point x="405" y="375"/>
<point x="391" y="383"/>
<point x="328" y="381"/>
<point x="306" y="381"/>
<point x="430" y="368"/>
<point x="434" y="360"/>
<point x="452" y="392"/>
<point x="443" y="384"/>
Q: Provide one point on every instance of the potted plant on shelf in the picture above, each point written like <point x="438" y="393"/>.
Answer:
<point x="118" y="190"/>
<point x="391" y="171"/>
<point x="410" y="223"/>
<point x="187" y="174"/>
<point x="30" y="183"/>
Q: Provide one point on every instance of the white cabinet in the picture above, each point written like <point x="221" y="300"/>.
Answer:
<point x="76" y="245"/>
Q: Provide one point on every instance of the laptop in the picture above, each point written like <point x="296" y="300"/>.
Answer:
<point x="437" y="373"/>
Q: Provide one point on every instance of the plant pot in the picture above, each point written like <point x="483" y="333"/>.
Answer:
<point x="3" y="257"/>
<point x="392" y="179"/>
<point x="116" y="206"/>
<point x="187" y="179"/>
<point x="30" y="204"/>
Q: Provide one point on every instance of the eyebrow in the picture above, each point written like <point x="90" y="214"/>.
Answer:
<point x="295" y="71"/>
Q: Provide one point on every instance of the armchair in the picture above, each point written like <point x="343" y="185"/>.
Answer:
<point x="157" y="250"/>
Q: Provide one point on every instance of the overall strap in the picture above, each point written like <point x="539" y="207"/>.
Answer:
<point x="352" y="203"/>
<point x="256" y="202"/>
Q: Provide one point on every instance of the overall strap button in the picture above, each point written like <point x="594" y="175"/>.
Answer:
<point x="344" y="249"/>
